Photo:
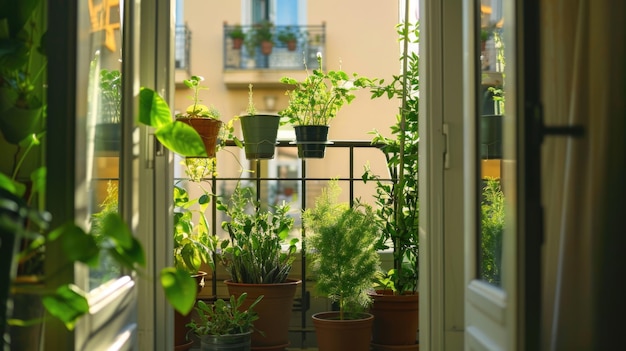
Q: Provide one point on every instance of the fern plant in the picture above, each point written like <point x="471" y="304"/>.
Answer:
<point x="342" y="249"/>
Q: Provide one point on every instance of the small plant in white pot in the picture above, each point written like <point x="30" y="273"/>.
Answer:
<point x="345" y="263"/>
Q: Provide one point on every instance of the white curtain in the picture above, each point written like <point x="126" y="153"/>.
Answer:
<point x="583" y="82"/>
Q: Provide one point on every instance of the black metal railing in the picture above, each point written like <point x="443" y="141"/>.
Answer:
<point x="291" y="46"/>
<point x="308" y="188"/>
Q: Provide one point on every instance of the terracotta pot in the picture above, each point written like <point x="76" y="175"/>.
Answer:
<point x="334" y="334"/>
<point x="208" y="128"/>
<point x="259" y="135"/>
<point x="237" y="42"/>
<point x="274" y="311"/>
<point x="266" y="47"/>
<point x="396" y="319"/>
<point x="180" y="321"/>
<point x="291" y="45"/>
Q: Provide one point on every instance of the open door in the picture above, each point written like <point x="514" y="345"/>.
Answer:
<point x="503" y="216"/>
<point x="90" y="161"/>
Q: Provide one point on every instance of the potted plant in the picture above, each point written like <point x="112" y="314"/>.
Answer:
<point x="396" y="301"/>
<point x="237" y="35"/>
<point x="289" y="37"/>
<point x="264" y="36"/>
<point x="314" y="102"/>
<point x="22" y="71"/>
<point x="344" y="260"/>
<point x="205" y="120"/>
<point x="225" y="325"/>
<point x="259" y="131"/>
<point x="258" y="255"/>
<point x="108" y="129"/>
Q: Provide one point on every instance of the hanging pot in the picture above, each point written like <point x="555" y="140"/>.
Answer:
<point x="311" y="141"/>
<point x="208" y="128"/>
<point x="396" y="320"/>
<point x="333" y="333"/>
<point x="259" y="135"/>
<point x="274" y="311"/>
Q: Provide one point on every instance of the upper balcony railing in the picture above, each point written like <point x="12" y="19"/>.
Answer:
<point x="291" y="47"/>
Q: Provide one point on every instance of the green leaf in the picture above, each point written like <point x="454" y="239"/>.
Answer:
<point x="68" y="304"/>
<point x="153" y="110"/>
<point x="180" y="289"/>
<point x="77" y="244"/>
<point x="114" y="228"/>
<point x="182" y="139"/>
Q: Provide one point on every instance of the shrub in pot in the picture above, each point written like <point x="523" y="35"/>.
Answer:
<point x="340" y="244"/>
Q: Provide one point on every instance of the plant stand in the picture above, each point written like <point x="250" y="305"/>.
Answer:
<point x="259" y="134"/>
<point x="348" y="334"/>
<point x="274" y="311"/>
<point x="311" y="141"/>
<point x="396" y="321"/>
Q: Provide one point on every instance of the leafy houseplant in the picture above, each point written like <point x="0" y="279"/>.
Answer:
<point x="259" y="131"/>
<point x="237" y="35"/>
<point x="288" y="36"/>
<point x="259" y="257"/>
<point x="225" y="324"/>
<point x="108" y="129"/>
<point x="22" y="70"/>
<point x="396" y="302"/>
<point x="344" y="259"/>
<point x="314" y="102"/>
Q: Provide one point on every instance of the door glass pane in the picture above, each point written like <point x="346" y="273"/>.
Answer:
<point x="99" y="101"/>
<point x="491" y="121"/>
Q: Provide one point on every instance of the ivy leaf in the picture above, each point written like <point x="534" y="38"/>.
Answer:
<point x="180" y="289"/>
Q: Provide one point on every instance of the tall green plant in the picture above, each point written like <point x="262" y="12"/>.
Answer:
<point x="254" y="252"/>
<point x="397" y="202"/>
<point x="342" y="251"/>
<point x="492" y="227"/>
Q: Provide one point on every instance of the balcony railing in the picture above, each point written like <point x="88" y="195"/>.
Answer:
<point x="299" y="189"/>
<point x="309" y="40"/>
<point x="182" y="46"/>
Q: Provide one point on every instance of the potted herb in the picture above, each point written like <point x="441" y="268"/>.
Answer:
<point x="344" y="259"/>
<point x="225" y="325"/>
<point x="205" y="120"/>
<point x="289" y="37"/>
<point x="259" y="131"/>
<point x="237" y="35"/>
<point x="258" y="255"/>
<point x="263" y="33"/>
<point x="396" y="301"/>
<point x="314" y="102"/>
